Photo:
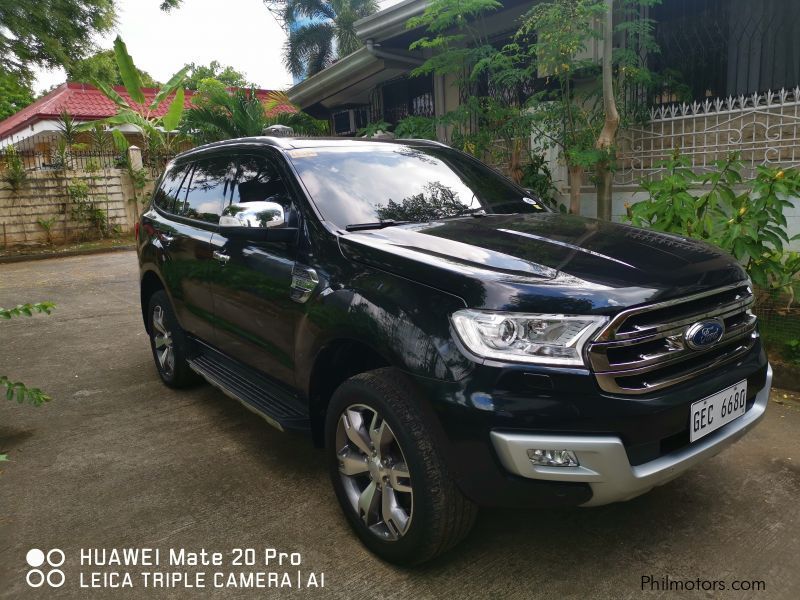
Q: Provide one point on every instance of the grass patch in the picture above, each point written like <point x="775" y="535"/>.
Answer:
<point x="108" y="243"/>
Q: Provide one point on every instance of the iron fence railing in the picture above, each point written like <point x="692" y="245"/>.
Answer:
<point x="763" y="128"/>
<point x="51" y="153"/>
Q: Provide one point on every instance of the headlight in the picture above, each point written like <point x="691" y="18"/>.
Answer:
<point x="530" y="338"/>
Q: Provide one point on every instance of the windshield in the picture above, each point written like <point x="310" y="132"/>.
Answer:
<point x="387" y="182"/>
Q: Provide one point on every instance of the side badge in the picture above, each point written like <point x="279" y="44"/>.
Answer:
<point x="304" y="281"/>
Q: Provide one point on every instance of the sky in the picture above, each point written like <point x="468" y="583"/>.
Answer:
<point x="240" y="33"/>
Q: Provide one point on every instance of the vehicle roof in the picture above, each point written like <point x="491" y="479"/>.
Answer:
<point x="290" y="143"/>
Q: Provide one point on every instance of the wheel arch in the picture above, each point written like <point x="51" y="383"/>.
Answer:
<point x="149" y="285"/>
<point x="338" y="360"/>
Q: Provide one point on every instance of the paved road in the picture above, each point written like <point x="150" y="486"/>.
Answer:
<point x="117" y="460"/>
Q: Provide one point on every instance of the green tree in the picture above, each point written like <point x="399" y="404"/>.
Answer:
<point x="49" y="33"/>
<point x="15" y="93"/>
<point x="224" y="74"/>
<point x="457" y="44"/>
<point x="102" y="66"/>
<point x="321" y="30"/>
<point x="577" y="112"/>
<point x="550" y="41"/>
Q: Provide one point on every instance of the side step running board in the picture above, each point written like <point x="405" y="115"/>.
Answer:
<point x="256" y="392"/>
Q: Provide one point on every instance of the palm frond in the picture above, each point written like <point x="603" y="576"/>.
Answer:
<point x="298" y="10"/>
<point x="278" y="102"/>
<point x="220" y="115"/>
<point x="309" y="48"/>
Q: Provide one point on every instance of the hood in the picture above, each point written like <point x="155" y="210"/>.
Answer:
<point x="545" y="262"/>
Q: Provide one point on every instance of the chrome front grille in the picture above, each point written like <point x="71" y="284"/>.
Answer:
<point x="643" y="349"/>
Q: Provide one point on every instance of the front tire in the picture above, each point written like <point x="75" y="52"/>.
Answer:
<point x="168" y="343"/>
<point x="388" y="474"/>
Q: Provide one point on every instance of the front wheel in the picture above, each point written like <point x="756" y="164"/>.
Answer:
<point x="388" y="474"/>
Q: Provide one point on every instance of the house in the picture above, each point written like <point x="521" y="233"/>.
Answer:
<point x="728" y="72"/>
<point x="737" y="47"/>
<point x="374" y="84"/>
<point x="35" y="127"/>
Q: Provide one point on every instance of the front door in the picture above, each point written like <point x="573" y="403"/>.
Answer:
<point x="255" y="316"/>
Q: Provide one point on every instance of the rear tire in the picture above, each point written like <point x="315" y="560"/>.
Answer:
<point x="168" y="343"/>
<point x="388" y="473"/>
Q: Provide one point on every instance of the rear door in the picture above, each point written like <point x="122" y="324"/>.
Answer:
<point x="255" y="316"/>
<point x="192" y="208"/>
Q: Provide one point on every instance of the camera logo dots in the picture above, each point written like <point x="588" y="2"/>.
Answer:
<point x="52" y="575"/>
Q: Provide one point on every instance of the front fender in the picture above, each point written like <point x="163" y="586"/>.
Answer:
<point x="407" y="323"/>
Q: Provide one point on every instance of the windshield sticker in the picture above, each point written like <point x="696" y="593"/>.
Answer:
<point x="302" y="153"/>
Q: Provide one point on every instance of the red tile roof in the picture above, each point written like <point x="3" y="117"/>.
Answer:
<point x="83" y="102"/>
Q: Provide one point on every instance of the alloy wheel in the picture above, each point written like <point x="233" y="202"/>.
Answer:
<point x="162" y="341"/>
<point x="374" y="472"/>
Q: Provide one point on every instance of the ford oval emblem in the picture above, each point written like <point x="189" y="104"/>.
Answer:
<point x="704" y="334"/>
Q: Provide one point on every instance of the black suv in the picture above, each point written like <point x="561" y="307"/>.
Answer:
<point x="449" y="340"/>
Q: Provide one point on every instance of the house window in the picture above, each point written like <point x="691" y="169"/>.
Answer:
<point x="347" y="122"/>
<point x="407" y="96"/>
<point x="720" y="48"/>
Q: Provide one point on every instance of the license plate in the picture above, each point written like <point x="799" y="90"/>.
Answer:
<point x="716" y="410"/>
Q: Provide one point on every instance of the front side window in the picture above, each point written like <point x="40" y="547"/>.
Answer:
<point x="259" y="180"/>
<point x="387" y="182"/>
<point x="167" y="196"/>
<point x="210" y="187"/>
<point x="260" y="197"/>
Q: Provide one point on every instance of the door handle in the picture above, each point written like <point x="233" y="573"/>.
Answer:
<point x="221" y="257"/>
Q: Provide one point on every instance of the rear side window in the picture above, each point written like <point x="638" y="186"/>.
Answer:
<point x="167" y="196"/>
<point x="211" y="185"/>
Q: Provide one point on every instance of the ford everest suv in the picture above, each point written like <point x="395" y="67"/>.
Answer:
<point x="447" y="339"/>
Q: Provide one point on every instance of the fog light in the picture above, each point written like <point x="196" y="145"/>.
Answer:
<point x="553" y="458"/>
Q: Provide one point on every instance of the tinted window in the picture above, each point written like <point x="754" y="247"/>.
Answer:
<point x="211" y="185"/>
<point x="376" y="182"/>
<point x="166" y="197"/>
<point x="259" y="180"/>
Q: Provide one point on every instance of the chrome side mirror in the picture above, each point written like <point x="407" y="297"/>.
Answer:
<point x="260" y="214"/>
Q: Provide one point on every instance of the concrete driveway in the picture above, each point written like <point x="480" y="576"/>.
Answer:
<point x="117" y="460"/>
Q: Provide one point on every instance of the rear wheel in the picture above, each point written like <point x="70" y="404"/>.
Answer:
<point x="388" y="474"/>
<point x="168" y="343"/>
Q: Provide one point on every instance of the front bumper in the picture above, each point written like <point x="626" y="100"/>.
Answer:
<point x="604" y="463"/>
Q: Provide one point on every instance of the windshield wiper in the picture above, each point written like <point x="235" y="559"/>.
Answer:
<point x="375" y="225"/>
<point x="473" y="212"/>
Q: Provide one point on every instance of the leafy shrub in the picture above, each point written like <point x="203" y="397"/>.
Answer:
<point x="371" y="129"/>
<point x="47" y="225"/>
<point x="792" y="351"/>
<point x="536" y="177"/>
<point x="414" y="127"/>
<point x="16" y="389"/>
<point x="744" y="218"/>
<point x="13" y="169"/>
